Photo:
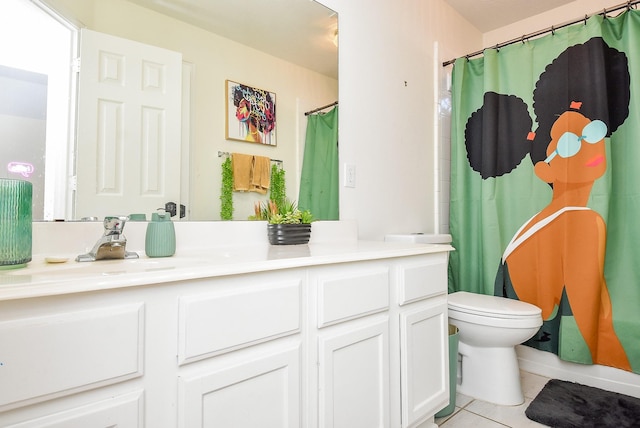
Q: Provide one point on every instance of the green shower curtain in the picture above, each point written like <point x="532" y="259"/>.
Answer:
<point x="319" y="178"/>
<point x="545" y="194"/>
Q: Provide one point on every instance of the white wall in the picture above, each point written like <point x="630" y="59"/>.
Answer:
<point x="388" y="128"/>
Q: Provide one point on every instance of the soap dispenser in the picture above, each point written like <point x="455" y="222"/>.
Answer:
<point x="160" y="239"/>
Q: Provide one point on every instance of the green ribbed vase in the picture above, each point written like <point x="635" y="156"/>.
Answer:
<point x="160" y="239"/>
<point x="15" y="223"/>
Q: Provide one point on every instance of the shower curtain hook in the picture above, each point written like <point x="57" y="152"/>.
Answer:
<point x="604" y="13"/>
<point x="585" y="19"/>
<point x="553" y="31"/>
<point x="522" y="39"/>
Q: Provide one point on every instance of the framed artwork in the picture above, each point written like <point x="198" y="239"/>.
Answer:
<point x="251" y="114"/>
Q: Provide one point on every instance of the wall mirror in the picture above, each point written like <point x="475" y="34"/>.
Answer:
<point x="286" y="46"/>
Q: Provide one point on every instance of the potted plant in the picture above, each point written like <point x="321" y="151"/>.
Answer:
<point x="287" y="225"/>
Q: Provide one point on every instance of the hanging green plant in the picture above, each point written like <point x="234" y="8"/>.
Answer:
<point x="278" y="192"/>
<point x="226" y="192"/>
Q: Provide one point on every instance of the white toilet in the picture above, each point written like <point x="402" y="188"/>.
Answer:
<point x="489" y="328"/>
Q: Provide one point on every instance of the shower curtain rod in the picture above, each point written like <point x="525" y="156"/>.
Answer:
<point x="335" y="103"/>
<point x="551" y="29"/>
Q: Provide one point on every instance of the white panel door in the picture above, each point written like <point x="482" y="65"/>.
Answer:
<point x="129" y="120"/>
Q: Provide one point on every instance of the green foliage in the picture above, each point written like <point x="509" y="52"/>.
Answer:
<point x="226" y="193"/>
<point x="285" y="213"/>
<point x="278" y="192"/>
<point x="278" y="209"/>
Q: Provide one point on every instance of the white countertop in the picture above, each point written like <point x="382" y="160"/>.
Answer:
<point x="40" y="278"/>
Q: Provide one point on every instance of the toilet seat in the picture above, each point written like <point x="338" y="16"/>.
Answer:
<point x="493" y="310"/>
<point x="489" y="328"/>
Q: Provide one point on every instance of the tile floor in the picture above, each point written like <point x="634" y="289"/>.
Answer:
<point x="480" y="414"/>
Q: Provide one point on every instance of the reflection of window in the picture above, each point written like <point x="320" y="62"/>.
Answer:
<point x="23" y="122"/>
<point x="36" y="112"/>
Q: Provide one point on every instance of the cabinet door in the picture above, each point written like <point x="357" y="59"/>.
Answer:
<point x="260" y="392"/>
<point x="354" y="376"/>
<point x="424" y="364"/>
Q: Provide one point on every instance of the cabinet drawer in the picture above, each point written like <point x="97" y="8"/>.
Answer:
<point x="119" y="411"/>
<point x="215" y="323"/>
<point x="54" y="355"/>
<point x="421" y="279"/>
<point x="352" y="294"/>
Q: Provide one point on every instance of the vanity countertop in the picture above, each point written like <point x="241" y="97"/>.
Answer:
<point x="40" y="278"/>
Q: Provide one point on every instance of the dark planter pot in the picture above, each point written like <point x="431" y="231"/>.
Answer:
<point x="288" y="234"/>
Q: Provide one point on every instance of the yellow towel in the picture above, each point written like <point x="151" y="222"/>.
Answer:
<point x="261" y="174"/>
<point x="242" y="166"/>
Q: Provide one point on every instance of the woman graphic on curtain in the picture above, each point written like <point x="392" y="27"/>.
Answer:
<point x="556" y="259"/>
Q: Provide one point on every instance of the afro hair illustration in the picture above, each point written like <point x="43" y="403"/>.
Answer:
<point x="591" y="77"/>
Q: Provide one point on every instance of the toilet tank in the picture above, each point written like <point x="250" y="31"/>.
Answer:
<point x="420" y="238"/>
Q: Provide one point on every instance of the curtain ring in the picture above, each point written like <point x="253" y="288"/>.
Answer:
<point x="628" y="4"/>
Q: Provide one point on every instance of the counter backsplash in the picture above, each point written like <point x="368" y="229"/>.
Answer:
<point x="78" y="237"/>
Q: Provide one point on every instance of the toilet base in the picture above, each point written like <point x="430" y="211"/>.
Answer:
<point x="490" y="374"/>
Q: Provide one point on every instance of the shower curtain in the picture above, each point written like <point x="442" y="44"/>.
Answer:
<point x="545" y="185"/>
<point x="319" y="177"/>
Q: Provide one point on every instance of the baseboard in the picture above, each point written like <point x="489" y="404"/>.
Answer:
<point x="549" y="365"/>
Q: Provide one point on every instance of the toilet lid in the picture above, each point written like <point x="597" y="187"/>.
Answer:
<point x="482" y="304"/>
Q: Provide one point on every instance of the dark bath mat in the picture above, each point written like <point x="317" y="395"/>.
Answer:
<point x="563" y="404"/>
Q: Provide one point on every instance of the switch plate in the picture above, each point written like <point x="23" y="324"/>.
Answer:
<point x="349" y="175"/>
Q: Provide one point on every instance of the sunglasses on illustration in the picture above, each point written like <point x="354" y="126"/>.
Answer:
<point x="569" y="143"/>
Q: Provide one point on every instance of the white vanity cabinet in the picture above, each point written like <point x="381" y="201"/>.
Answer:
<point x="222" y="351"/>
<point x="309" y="342"/>
<point x="350" y="342"/>
<point x="424" y="344"/>
<point x="239" y="350"/>
<point x="380" y="342"/>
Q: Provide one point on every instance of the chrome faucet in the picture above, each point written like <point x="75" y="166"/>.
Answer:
<point x="112" y="245"/>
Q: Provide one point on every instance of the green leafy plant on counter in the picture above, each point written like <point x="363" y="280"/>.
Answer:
<point x="226" y="192"/>
<point x="286" y="212"/>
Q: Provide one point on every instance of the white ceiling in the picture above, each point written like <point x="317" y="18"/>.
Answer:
<point x="299" y="31"/>
<point x="302" y="31"/>
<point x="487" y="15"/>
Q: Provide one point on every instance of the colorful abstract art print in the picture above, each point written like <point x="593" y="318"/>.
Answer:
<point x="251" y="114"/>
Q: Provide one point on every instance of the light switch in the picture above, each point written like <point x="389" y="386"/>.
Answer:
<point x="349" y="175"/>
